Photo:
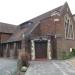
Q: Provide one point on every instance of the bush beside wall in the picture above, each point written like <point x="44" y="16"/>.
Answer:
<point x="68" y="55"/>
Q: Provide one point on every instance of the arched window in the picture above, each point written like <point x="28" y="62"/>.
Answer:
<point x="69" y="34"/>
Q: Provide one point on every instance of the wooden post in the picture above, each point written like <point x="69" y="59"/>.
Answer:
<point x="23" y="45"/>
<point x="12" y="51"/>
<point x="5" y="51"/>
<point x="15" y="50"/>
<point x="1" y="50"/>
<point x="23" y="42"/>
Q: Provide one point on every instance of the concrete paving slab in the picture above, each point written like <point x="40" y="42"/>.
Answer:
<point x="53" y="67"/>
<point x="8" y="66"/>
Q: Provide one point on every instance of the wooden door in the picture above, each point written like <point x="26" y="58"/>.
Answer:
<point x="40" y="49"/>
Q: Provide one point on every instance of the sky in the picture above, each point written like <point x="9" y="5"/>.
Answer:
<point x="18" y="11"/>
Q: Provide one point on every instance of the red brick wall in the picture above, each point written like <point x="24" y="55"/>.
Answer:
<point x="48" y="25"/>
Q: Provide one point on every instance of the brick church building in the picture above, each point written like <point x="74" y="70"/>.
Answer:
<point x="47" y="36"/>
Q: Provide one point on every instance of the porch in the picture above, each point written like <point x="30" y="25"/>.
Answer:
<point x="43" y="48"/>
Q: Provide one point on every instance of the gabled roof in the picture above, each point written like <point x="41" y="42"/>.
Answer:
<point x="45" y="15"/>
<point x="18" y="35"/>
<point x="7" y="28"/>
<point x="27" y="30"/>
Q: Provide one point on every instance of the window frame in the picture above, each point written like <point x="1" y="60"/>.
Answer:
<point x="69" y="32"/>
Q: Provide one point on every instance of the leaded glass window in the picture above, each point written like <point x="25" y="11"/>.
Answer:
<point x="68" y="27"/>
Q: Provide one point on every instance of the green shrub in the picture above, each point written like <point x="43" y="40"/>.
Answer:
<point x="63" y="55"/>
<point x="73" y="52"/>
<point x="66" y="55"/>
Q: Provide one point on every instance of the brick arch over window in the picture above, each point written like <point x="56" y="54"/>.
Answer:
<point x="69" y="34"/>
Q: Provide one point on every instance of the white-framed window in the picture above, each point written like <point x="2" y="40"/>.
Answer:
<point x="69" y="34"/>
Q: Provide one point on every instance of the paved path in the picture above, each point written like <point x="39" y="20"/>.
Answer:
<point x="7" y="66"/>
<point x="53" y="67"/>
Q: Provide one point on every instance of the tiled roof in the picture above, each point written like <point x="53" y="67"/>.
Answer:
<point x="18" y="35"/>
<point x="7" y="28"/>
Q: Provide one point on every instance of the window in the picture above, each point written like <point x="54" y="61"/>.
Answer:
<point x="71" y="31"/>
<point x="66" y="29"/>
<point x="69" y="34"/>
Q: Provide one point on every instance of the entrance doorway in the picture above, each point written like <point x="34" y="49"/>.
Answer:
<point x="41" y="49"/>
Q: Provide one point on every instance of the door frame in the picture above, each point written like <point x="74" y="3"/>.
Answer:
<point x="33" y="57"/>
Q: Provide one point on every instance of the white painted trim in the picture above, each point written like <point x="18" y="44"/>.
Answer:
<point x="49" y="50"/>
<point x="32" y="50"/>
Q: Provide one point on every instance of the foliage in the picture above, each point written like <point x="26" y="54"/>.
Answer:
<point x="67" y="55"/>
<point x="73" y="52"/>
<point x="64" y="56"/>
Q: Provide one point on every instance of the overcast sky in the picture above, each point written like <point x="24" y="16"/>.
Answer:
<point x="18" y="11"/>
